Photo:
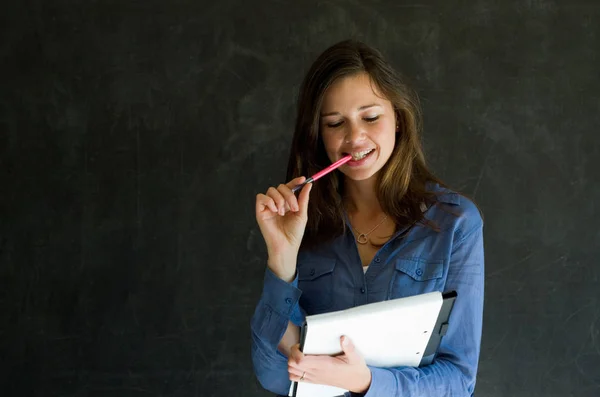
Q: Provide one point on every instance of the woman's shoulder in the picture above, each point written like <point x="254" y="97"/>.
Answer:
<point x="463" y="208"/>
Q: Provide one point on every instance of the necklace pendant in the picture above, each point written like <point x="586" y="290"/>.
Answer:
<point x="362" y="239"/>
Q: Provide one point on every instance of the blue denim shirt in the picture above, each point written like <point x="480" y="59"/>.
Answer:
<point x="424" y="260"/>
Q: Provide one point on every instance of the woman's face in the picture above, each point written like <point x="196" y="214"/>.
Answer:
<point x="357" y="120"/>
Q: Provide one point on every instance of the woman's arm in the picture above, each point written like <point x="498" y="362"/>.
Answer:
<point x="290" y="338"/>
<point x="274" y="328"/>
<point x="282" y="219"/>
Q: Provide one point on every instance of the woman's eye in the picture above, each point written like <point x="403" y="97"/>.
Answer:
<point x="371" y="119"/>
<point x="334" y="125"/>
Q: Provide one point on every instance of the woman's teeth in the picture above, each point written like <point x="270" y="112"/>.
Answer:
<point x="360" y="155"/>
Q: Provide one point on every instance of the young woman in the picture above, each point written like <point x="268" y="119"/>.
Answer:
<point x="380" y="227"/>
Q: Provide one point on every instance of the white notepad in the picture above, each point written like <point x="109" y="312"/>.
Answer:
<point x="387" y="334"/>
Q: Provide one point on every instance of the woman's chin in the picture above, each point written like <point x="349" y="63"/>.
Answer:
<point x="359" y="175"/>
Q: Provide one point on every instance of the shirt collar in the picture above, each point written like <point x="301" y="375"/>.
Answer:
<point x="444" y="195"/>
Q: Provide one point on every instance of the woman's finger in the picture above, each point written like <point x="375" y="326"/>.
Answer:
<point x="289" y="196"/>
<point x="306" y="378"/>
<point x="303" y="198"/>
<point x="295" y="353"/>
<point x="313" y="362"/>
<point x="296" y="181"/>
<point x="278" y="199"/>
<point x="281" y="199"/>
<point x="263" y="201"/>
<point x="293" y="371"/>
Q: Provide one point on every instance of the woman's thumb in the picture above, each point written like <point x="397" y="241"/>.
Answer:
<point x="303" y="198"/>
<point x="348" y="348"/>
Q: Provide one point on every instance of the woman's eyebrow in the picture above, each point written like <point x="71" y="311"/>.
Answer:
<point x="360" y="108"/>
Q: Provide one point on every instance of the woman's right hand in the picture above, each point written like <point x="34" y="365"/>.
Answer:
<point x="282" y="220"/>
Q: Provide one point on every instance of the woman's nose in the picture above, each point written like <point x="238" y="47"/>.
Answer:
<point x="354" y="133"/>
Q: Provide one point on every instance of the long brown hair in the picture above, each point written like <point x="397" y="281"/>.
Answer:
<point x="401" y="183"/>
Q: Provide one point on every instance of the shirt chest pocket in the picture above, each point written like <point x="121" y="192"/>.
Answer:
<point x="315" y="280"/>
<point x="413" y="276"/>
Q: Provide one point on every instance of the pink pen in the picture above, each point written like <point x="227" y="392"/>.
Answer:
<point x="326" y="171"/>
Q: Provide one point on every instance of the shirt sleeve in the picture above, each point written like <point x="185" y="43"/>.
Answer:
<point x="453" y="371"/>
<point x="278" y="305"/>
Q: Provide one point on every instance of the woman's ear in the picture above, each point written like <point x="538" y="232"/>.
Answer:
<point x="397" y="114"/>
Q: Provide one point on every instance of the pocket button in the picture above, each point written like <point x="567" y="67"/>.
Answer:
<point x="419" y="272"/>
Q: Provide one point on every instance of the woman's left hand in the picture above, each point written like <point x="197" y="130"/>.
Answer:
<point x="347" y="371"/>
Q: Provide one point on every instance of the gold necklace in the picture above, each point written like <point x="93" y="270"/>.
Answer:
<point x="362" y="237"/>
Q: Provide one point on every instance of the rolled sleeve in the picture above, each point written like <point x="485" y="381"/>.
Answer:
<point x="279" y="295"/>
<point x="277" y="306"/>
<point x="382" y="382"/>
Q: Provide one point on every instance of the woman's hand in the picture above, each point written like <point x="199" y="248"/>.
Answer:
<point x="282" y="220"/>
<point x="347" y="371"/>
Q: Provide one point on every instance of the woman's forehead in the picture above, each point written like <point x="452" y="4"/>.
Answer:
<point x="352" y="92"/>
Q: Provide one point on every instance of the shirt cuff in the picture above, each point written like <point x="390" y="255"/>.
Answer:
<point x="280" y="296"/>
<point x="381" y="379"/>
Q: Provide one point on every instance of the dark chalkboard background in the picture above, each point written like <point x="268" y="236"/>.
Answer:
<point x="134" y="136"/>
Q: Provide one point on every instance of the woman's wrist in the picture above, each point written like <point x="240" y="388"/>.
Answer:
<point x="283" y="266"/>
<point x="364" y="383"/>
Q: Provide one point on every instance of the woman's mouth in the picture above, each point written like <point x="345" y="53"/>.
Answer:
<point x="356" y="156"/>
<point x="359" y="158"/>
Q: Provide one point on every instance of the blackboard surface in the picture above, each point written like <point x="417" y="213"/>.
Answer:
<point x="134" y="137"/>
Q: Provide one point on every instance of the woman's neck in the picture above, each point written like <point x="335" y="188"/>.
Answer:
<point x="361" y="197"/>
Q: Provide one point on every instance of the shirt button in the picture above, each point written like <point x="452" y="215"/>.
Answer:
<point x="312" y="271"/>
<point x="377" y="259"/>
<point x="288" y="301"/>
<point x="419" y="272"/>
<point x="362" y="290"/>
